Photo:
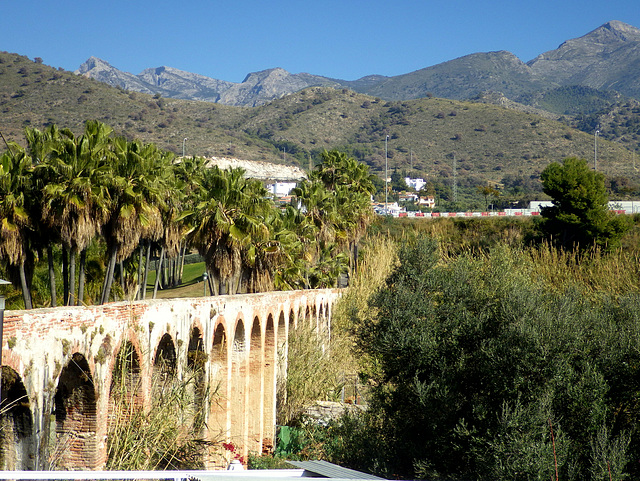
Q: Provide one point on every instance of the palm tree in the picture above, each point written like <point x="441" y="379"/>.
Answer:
<point x="40" y="146"/>
<point x="134" y="190"/>
<point x="16" y="222"/>
<point x="229" y="215"/>
<point x="336" y="198"/>
<point x="74" y="197"/>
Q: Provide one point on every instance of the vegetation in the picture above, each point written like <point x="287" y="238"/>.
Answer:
<point x="580" y="215"/>
<point x="470" y="378"/>
<point x="168" y="435"/>
<point x="121" y="201"/>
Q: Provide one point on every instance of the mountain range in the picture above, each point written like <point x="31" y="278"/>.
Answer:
<point x="607" y="58"/>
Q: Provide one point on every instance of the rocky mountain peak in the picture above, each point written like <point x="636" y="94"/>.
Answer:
<point x="93" y="63"/>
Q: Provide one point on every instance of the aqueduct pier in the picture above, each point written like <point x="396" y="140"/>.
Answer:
<point x="63" y="368"/>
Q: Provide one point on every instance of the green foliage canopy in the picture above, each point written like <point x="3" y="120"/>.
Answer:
<point x="580" y="214"/>
<point x="474" y="363"/>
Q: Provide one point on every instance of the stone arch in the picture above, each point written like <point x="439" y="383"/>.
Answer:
<point x="256" y="387"/>
<point x="75" y="408"/>
<point x="314" y="318"/>
<point x="196" y="356"/>
<point x="219" y="419"/>
<point x="269" y="399"/>
<point x="164" y="370"/>
<point x="126" y="380"/>
<point x="196" y="379"/>
<point x="238" y="393"/>
<point x="165" y="362"/>
<point x="17" y="441"/>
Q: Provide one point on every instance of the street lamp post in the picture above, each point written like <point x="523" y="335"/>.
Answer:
<point x="204" y="278"/>
<point x="595" y="150"/>
<point x="184" y="141"/>
<point x="386" y="175"/>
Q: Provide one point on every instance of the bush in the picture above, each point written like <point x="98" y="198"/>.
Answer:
<point x="480" y="371"/>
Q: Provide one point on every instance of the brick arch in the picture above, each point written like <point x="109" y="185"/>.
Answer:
<point x="165" y="361"/>
<point x="239" y="393"/>
<point x="196" y="375"/>
<point x="125" y="390"/>
<point x="285" y="328"/>
<point x="255" y="386"/>
<point x="219" y="418"/>
<point x="103" y="330"/>
<point x="17" y="440"/>
<point x="75" y="407"/>
<point x="269" y="395"/>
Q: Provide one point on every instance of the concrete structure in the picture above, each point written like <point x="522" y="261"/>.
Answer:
<point x="64" y="369"/>
<point x="281" y="189"/>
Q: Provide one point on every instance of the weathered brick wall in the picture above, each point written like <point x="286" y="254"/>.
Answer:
<point x="64" y="358"/>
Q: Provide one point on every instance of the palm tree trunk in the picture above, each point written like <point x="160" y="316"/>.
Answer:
<point x="108" y="278"/>
<point x="140" y="257"/>
<point x="213" y="284"/>
<point x="81" y="277"/>
<point x="26" y="293"/>
<point x="158" y="273"/>
<point x="146" y="270"/>
<point x="122" y="277"/>
<point x="65" y="274"/>
<point x="72" y="277"/>
<point x="52" y="275"/>
<point x="184" y="254"/>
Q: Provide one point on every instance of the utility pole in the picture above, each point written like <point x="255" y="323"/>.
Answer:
<point x="455" y="180"/>
<point x="595" y="150"/>
<point x="386" y="175"/>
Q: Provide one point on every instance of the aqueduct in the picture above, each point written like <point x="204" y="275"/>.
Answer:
<point x="62" y="369"/>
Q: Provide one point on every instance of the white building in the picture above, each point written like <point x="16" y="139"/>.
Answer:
<point x="416" y="184"/>
<point x="281" y="189"/>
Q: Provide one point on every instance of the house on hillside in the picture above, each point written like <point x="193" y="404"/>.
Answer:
<point x="428" y="201"/>
<point x="416" y="184"/>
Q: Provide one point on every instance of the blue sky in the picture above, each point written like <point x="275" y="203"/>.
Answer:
<point x="344" y="39"/>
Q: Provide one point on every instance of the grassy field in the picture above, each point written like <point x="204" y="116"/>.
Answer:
<point x="191" y="286"/>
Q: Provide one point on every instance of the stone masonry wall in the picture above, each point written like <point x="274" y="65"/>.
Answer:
<point x="64" y="359"/>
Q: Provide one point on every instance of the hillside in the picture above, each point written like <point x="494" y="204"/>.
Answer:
<point x="488" y="142"/>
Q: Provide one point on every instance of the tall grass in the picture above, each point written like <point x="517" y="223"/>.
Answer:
<point x="320" y="365"/>
<point x="593" y="272"/>
<point x="169" y="434"/>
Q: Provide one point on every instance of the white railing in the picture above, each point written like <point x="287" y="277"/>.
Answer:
<point x="153" y="475"/>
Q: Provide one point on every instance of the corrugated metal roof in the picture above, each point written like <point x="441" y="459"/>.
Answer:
<point x="330" y="470"/>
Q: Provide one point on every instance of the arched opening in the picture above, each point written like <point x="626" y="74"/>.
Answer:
<point x="283" y="362"/>
<point x="163" y="379"/>
<point x="219" y="419"/>
<point x="17" y="442"/>
<point x="125" y="395"/>
<point x="256" y="387"/>
<point x="269" y="403"/>
<point x="165" y="362"/>
<point x="196" y="367"/>
<point x="238" y="391"/>
<point x="75" y="412"/>
<point x="125" y="379"/>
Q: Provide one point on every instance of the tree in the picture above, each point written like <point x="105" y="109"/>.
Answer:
<point x="472" y="362"/>
<point x="135" y="192"/>
<point x="73" y="204"/>
<point x="486" y="191"/>
<point x="580" y="215"/>
<point x="229" y="218"/>
<point x="16" y="220"/>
